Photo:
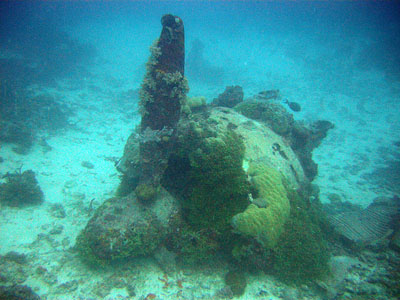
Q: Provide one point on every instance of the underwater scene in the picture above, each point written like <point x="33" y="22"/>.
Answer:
<point x="187" y="150"/>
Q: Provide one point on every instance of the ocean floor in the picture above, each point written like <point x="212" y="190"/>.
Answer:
<point x="79" y="173"/>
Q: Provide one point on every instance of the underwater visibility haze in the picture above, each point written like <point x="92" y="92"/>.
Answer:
<point x="200" y="150"/>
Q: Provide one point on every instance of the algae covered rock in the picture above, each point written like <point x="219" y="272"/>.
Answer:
<point x="123" y="228"/>
<point x="265" y="224"/>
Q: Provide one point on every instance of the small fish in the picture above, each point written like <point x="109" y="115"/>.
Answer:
<point x="293" y="105"/>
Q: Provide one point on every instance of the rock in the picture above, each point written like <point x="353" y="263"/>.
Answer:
<point x="236" y="281"/>
<point x="395" y="241"/>
<point x="18" y="133"/>
<point x="17" y="292"/>
<point x="58" y="229"/>
<point x="87" y="165"/>
<point x="304" y="139"/>
<point x="232" y="96"/>
<point x="67" y="287"/>
<point x="224" y="293"/>
<point x="290" y="294"/>
<point x="122" y="228"/>
<point x="268" y="95"/>
<point x="340" y="266"/>
<point x="129" y="163"/>
<point x="16" y="257"/>
<point x="13" y="268"/>
<point x="274" y="115"/>
<point x="57" y="211"/>
<point x="166" y="260"/>
<point x="46" y="276"/>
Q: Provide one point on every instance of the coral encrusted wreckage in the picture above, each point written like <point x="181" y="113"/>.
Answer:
<point x="229" y="180"/>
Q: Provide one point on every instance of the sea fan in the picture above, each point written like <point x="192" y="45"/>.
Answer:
<point x="369" y="224"/>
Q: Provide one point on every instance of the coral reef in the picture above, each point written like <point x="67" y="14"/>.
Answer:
<point x="265" y="223"/>
<point x="20" y="189"/>
<point x="301" y="252"/>
<point x="205" y="173"/>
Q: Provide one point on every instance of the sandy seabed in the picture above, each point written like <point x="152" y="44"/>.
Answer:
<point x="98" y="132"/>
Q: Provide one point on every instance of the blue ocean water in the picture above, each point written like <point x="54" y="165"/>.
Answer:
<point x="339" y="60"/>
